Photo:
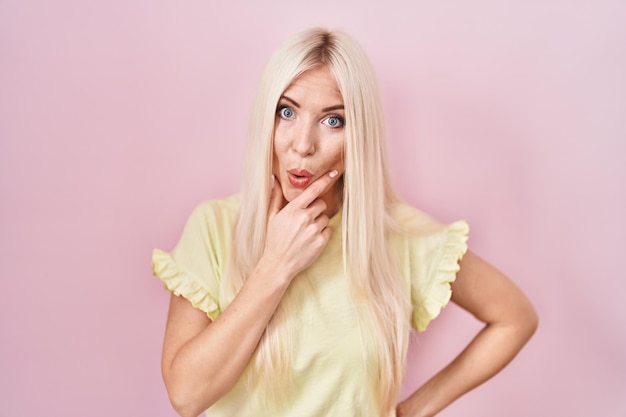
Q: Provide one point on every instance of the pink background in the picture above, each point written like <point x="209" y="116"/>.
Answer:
<point x="117" y="117"/>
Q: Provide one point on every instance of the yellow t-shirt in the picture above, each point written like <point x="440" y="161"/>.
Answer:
<point x="330" y="372"/>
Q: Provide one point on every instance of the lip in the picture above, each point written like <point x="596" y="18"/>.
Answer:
<point x="299" y="178"/>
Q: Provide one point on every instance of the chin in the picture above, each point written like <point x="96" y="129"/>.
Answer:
<point x="291" y="193"/>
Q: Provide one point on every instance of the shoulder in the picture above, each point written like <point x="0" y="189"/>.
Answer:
<point x="217" y="211"/>
<point x="418" y="227"/>
<point x="224" y="206"/>
<point x="410" y="221"/>
<point x="210" y="221"/>
<point x="428" y="252"/>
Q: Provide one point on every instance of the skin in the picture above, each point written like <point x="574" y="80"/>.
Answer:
<point x="510" y="320"/>
<point x="309" y="133"/>
<point x="202" y="359"/>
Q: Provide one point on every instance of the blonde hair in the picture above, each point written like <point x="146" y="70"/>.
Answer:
<point x="367" y="201"/>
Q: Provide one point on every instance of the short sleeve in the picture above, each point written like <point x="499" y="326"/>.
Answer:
<point x="193" y="269"/>
<point x="434" y="264"/>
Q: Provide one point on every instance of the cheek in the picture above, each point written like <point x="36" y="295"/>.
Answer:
<point x="278" y="151"/>
<point x="339" y="157"/>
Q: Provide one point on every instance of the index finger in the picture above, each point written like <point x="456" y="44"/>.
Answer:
<point x="316" y="189"/>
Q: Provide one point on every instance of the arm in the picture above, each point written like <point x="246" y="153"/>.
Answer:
<point x="510" y="320"/>
<point x="201" y="359"/>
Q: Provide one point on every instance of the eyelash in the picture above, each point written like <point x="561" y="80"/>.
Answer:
<point x="280" y="109"/>
<point x="340" y="119"/>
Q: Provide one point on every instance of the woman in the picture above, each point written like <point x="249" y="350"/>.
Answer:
<point x="297" y="297"/>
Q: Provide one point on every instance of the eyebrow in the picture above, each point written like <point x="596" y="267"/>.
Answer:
<point x="325" y="109"/>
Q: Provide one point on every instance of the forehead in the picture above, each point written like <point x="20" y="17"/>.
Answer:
<point x="316" y="85"/>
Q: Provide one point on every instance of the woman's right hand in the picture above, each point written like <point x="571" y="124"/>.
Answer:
<point x="202" y="360"/>
<point x="297" y="231"/>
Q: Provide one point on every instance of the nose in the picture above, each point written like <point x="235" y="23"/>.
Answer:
<point x="304" y="140"/>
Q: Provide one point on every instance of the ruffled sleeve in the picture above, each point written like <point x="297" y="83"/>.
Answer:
<point x="179" y="282"/>
<point x="193" y="269"/>
<point x="430" y="289"/>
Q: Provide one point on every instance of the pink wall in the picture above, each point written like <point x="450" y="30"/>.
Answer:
<point x="117" y="117"/>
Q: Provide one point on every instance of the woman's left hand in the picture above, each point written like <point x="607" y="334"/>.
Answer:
<point x="510" y="320"/>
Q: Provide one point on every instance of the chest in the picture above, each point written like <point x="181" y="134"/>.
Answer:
<point x="327" y="327"/>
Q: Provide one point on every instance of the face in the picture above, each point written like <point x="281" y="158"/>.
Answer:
<point x="309" y="135"/>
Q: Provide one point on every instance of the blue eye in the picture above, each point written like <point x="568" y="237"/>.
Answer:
<point x="285" y="112"/>
<point x="334" y="121"/>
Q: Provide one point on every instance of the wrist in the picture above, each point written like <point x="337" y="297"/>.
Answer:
<point x="415" y="406"/>
<point x="271" y="271"/>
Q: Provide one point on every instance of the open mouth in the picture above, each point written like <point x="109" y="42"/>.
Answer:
<point x="299" y="178"/>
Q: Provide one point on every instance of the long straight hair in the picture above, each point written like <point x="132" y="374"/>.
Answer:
<point x="368" y="198"/>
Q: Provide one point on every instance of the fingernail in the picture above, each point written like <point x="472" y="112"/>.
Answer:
<point x="333" y="173"/>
